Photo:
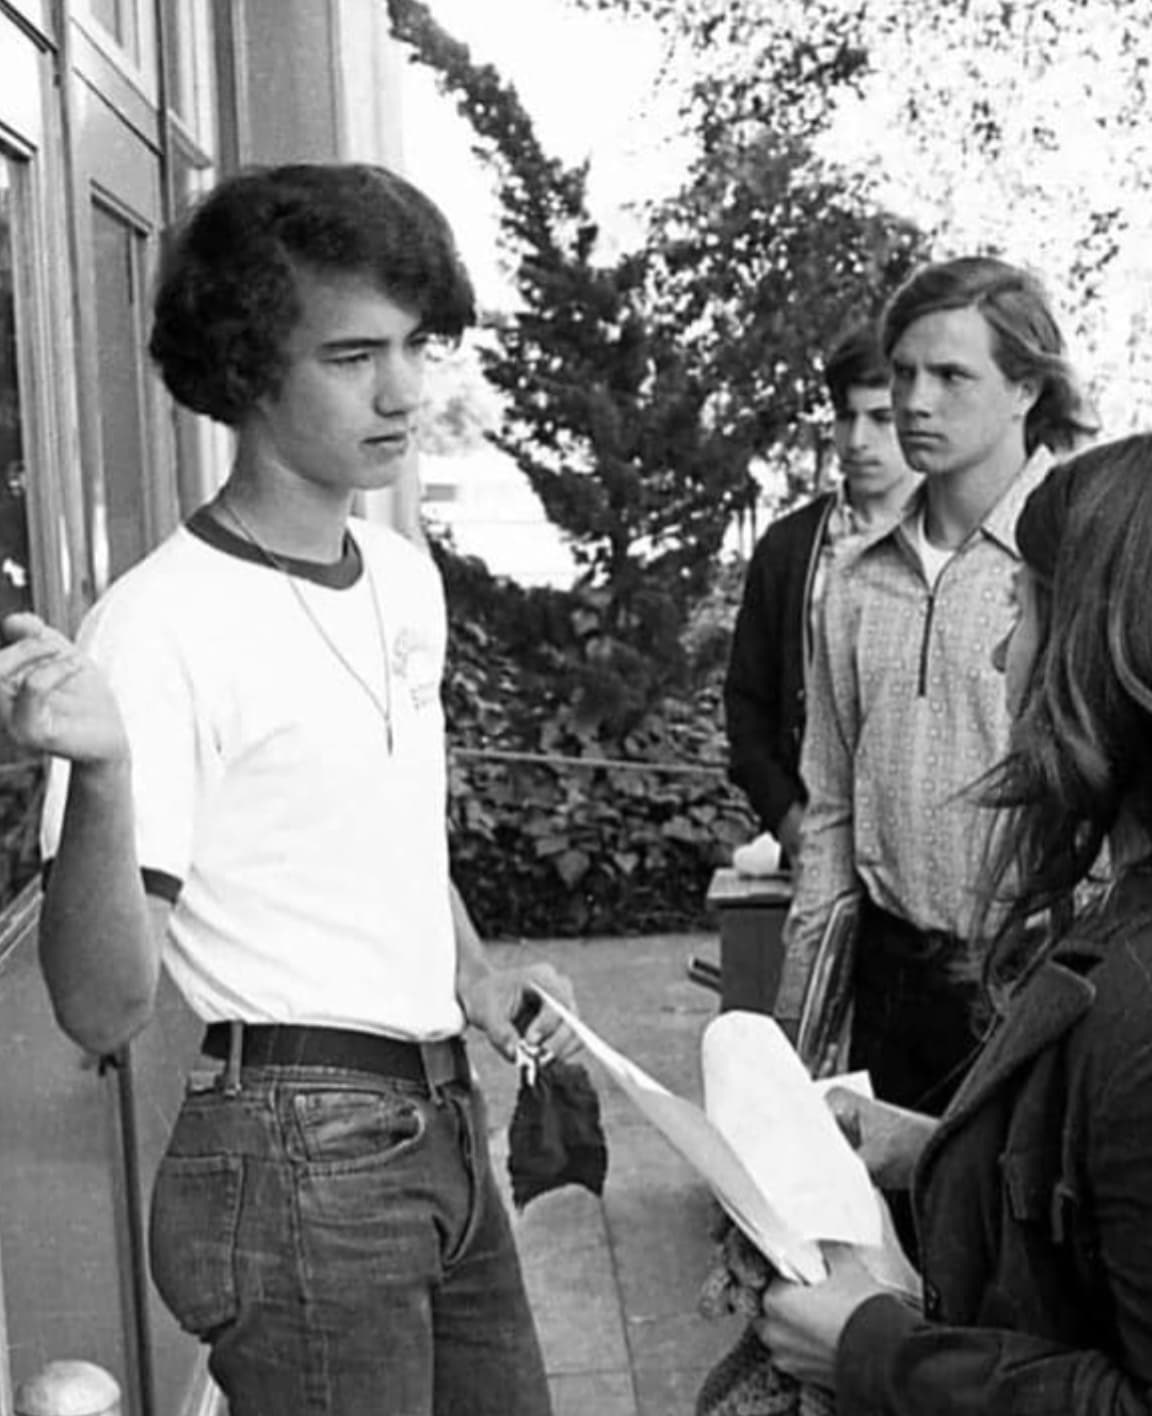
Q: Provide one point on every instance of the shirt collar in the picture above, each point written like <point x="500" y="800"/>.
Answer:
<point x="999" y="522"/>
<point x="847" y="521"/>
<point x="842" y="518"/>
<point x="336" y="575"/>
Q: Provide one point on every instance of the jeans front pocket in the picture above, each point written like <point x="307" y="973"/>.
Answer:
<point x="192" y="1238"/>
<point x="347" y="1128"/>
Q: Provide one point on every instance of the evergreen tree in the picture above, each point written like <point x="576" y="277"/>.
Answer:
<point x="1015" y="127"/>
<point x="639" y="392"/>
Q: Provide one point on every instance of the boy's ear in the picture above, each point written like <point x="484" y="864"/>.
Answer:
<point x="1027" y="394"/>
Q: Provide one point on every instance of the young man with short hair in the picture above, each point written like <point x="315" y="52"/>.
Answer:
<point x="906" y="712"/>
<point x="249" y="783"/>
<point x="772" y="641"/>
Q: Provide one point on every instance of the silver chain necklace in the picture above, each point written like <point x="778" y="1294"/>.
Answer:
<point x="384" y="709"/>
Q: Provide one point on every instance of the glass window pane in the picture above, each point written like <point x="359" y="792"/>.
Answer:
<point x="120" y="21"/>
<point x="15" y="590"/>
<point x="116" y="250"/>
<point x="110" y="15"/>
<point x="188" y="30"/>
<point x="21" y="776"/>
<point x="181" y="61"/>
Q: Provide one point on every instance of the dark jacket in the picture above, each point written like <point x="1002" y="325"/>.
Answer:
<point x="764" y="686"/>
<point x="1035" y="1205"/>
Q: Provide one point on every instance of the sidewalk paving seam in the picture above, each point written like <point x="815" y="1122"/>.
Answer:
<point x="625" y="1324"/>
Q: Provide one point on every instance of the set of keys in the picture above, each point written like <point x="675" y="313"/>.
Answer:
<point x="529" y="1060"/>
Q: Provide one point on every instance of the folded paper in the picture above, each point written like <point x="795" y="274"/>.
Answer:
<point x="769" y="1147"/>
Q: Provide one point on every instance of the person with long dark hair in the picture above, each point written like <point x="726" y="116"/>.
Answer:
<point x="1033" y="1193"/>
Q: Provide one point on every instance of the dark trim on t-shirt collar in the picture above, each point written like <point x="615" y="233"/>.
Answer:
<point x="335" y="575"/>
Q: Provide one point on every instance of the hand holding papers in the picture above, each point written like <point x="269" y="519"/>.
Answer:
<point x="759" y="1097"/>
<point x="705" y="1148"/>
<point x="772" y="1152"/>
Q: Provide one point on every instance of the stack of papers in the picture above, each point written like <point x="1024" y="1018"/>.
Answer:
<point x="785" y="1140"/>
<point x="767" y="1145"/>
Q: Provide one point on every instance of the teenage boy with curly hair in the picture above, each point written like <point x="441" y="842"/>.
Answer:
<point x="248" y="785"/>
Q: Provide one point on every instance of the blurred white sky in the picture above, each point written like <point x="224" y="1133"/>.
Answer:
<point x="587" y="82"/>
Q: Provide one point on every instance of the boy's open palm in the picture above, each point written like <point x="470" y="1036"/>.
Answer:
<point x="53" y="698"/>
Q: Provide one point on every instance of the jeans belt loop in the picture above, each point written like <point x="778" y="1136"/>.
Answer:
<point x="231" y="1074"/>
<point x="439" y="1067"/>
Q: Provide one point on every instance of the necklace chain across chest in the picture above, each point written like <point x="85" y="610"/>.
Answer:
<point x="383" y="708"/>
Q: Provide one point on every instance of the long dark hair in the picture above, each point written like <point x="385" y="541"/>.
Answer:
<point x="1080" y="756"/>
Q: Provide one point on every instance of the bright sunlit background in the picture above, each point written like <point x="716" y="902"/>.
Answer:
<point x="590" y="83"/>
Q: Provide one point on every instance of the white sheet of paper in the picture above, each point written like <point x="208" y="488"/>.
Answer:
<point x="705" y="1146"/>
<point x="760" y="1097"/>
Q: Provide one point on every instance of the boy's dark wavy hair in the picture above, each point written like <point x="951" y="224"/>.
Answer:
<point x="1027" y="343"/>
<point x="855" y="361"/>
<point x="228" y="296"/>
<point x="1080" y="758"/>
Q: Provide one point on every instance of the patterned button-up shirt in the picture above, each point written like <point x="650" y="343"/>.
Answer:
<point x="905" y="714"/>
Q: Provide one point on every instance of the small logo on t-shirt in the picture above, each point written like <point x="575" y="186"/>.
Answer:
<point x="414" y="660"/>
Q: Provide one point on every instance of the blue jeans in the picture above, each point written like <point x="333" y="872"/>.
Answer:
<point x="338" y="1240"/>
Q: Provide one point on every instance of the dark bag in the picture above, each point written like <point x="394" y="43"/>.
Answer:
<point x="555" y="1137"/>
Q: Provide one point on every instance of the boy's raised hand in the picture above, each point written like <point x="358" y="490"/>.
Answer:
<point x="53" y="698"/>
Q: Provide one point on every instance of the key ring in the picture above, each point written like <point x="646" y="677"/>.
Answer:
<point x="528" y="1061"/>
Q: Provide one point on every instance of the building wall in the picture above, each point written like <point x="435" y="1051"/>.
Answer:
<point x="289" y="53"/>
<point x="368" y="83"/>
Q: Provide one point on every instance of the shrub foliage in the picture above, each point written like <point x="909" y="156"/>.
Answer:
<point x="560" y="848"/>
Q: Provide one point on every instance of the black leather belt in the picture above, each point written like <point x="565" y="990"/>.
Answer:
<point x="426" y="1064"/>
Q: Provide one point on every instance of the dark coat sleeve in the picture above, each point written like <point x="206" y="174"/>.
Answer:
<point x="893" y="1362"/>
<point x="763" y="687"/>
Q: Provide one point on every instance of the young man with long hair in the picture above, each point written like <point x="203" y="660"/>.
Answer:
<point x="904" y="709"/>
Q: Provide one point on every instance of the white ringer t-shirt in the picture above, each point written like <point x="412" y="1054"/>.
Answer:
<point x="308" y="865"/>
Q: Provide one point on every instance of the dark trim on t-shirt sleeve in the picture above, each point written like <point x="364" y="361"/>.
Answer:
<point x="156" y="882"/>
<point x="162" y="885"/>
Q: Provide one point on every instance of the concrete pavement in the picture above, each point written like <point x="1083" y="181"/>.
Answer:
<point x="614" y="1281"/>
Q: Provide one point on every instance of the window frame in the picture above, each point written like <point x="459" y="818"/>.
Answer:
<point x="30" y="142"/>
<point x="138" y="63"/>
